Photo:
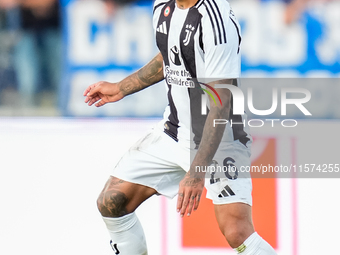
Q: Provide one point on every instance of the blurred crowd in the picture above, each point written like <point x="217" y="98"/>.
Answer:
<point x="30" y="52"/>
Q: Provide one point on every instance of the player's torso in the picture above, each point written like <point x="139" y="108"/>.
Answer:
<point x="179" y="38"/>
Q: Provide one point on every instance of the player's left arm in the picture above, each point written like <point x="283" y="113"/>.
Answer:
<point x="191" y="187"/>
<point x="222" y="64"/>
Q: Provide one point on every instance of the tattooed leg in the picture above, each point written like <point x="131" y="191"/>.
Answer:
<point x="112" y="203"/>
<point x="119" y="197"/>
<point x="117" y="203"/>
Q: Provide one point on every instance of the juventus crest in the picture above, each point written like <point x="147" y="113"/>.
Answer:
<point x="188" y="30"/>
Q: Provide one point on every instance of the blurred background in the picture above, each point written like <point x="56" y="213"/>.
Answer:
<point x="51" y="50"/>
<point x="51" y="170"/>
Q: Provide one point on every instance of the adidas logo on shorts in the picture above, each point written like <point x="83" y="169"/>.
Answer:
<point x="226" y="192"/>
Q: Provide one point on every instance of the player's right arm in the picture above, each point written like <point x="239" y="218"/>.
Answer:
<point x="104" y="92"/>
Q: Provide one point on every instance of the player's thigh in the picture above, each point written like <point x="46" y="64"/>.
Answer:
<point x="230" y="189"/>
<point x="120" y="197"/>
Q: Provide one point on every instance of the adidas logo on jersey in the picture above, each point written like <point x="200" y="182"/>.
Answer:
<point x="162" y="28"/>
<point x="226" y="192"/>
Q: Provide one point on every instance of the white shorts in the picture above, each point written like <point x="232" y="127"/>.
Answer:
<point x="159" y="162"/>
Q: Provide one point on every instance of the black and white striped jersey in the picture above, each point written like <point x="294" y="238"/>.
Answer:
<point x="198" y="43"/>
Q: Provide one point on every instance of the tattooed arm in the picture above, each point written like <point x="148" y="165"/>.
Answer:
<point x="191" y="186"/>
<point x="103" y="92"/>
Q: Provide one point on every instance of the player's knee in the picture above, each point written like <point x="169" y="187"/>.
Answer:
<point x="235" y="236"/>
<point x="112" y="203"/>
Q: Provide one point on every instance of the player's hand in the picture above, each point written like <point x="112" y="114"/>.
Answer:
<point x="101" y="93"/>
<point x="189" y="194"/>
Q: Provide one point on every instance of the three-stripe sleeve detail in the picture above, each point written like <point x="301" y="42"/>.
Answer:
<point x="216" y="20"/>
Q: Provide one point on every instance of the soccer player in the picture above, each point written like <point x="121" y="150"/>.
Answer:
<point x="199" y="44"/>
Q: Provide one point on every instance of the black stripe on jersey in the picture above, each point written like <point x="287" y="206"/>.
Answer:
<point x="200" y="38"/>
<point x="238" y="128"/>
<point x="220" y="16"/>
<point x="197" y="119"/>
<point x="239" y="35"/>
<point x="171" y="126"/>
<point x="158" y="5"/>
<point x="193" y="20"/>
<point x="217" y="23"/>
<point x="187" y="46"/>
<point x="238" y="131"/>
<point x="212" y="23"/>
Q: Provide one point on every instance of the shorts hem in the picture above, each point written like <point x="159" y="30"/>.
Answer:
<point x="230" y="202"/>
<point x="143" y="184"/>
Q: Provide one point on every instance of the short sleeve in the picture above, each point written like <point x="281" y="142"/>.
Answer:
<point x="221" y="40"/>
